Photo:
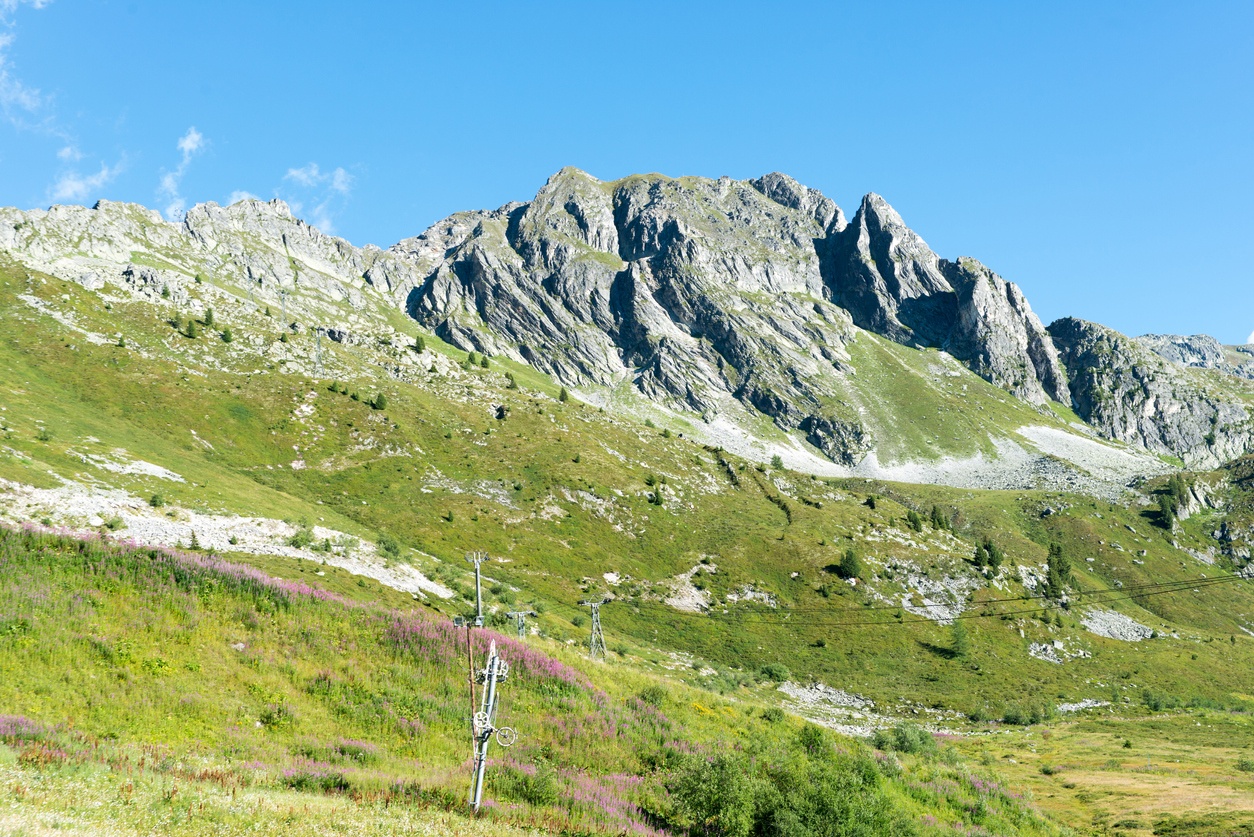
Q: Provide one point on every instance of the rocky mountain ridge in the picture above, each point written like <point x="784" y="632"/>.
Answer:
<point x="712" y="298"/>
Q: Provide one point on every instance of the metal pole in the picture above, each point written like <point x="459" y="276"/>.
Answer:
<point x="520" y="620"/>
<point x="470" y="677"/>
<point x="478" y="558"/>
<point x="596" y="641"/>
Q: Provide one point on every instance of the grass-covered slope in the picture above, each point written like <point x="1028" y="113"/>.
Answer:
<point x="725" y="572"/>
<point x="161" y="682"/>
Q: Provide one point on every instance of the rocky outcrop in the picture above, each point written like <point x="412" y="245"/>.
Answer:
<point x="696" y="291"/>
<point x="703" y="295"/>
<point x="893" y="284"/>
<point x="1129" y="393"/>
<point x="1202" y="351"/>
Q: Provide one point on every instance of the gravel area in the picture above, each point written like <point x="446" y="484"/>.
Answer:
<point x="81" y="508"/>
<point x="1114" y="625"/>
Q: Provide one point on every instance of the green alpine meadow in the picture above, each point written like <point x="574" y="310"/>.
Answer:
<point x="782" y="524"/>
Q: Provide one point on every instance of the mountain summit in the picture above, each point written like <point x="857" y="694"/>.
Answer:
<point x="749" y="314"/>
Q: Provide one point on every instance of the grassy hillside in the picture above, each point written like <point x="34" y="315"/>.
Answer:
<point x="201" y="678"/>
<point x="726" y="574"/>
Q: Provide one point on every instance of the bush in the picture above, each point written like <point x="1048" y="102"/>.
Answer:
<point x="773" y="714"/>
<point x="156" y="501"/>
<point x="914" y="520"/>
<point x="380" y="402"/>
<point x="1245" y="764"/>
<point x="777" y="462"/>
<point x="716" y="796"/>
<point x="774" y="672"/>
<point x="208" y="318"/>
<point x="850" y="565"/>
<point x="389" y="545"/>
<point x="652" y="695"/>
<point x="905" y="738"/>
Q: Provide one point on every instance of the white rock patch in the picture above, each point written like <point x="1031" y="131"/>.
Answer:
<point x="1114" y="625"/>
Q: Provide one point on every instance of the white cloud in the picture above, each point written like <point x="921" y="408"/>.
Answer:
<point x="240" y="195"/>
<point x="14" y="95"/>
<point x="341" y="181"/>
<point x="190" y="144"/>
<point x="1250" y="340"/>
<point x="70" y="154"/>
<point x="72" y="186"/>
<point x="329" y="188"/>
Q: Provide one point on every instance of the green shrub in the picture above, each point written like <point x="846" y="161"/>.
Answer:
<point x="774" y="672"/>
<point x="226" y="335"/>
<point x="653" y="695"/>
<point x="905" y="738"/>
<point x="716" y="796"/>
<point x="380" y="402"/>
<point x="156" y="501"/>
<point x="389" y="545"/>
<point x="773" y="714"/>
<point x="777" y="462"/>
<point x="914" y="520"/>
<point x="850" y="565"/>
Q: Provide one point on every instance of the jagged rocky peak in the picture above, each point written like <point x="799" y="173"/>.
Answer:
<point x="697" y="291"/>
<point x="787" y="192"/>
<point x="892" y="283"/>
<point x="1130" y="393"/>
<point x="888" y="279"/>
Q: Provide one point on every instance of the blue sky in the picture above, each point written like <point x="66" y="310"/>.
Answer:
<point x="1098" y="154"/>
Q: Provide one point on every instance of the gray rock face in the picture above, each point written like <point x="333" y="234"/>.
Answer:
<point x="1202" y="351"/>
<point x="693" y="290"/>
<point x="893" y="284"/>
<point x="696" y="290"/>
<point x="1131" y="394"/>
<point x="697" y="293"/>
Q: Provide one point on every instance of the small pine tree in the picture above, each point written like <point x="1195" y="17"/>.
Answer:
<point x="420" y="345"/>
<point x="472" y="359"/>
<point x="208" y="318"/>
<point x="191" y="329"/>
<point x="994" y="554"/>
<point x="777" y="462"/>
<point x="195" y="543"/>
<point x="850" y="565"/>
<point x="268" y="314"/>
<point x="283" y="337"/>
<point x="563" y="396"/>
<point x="1058" y="572"/>
<point x="981" y="557"/>
<point x="226" y="335"/>
<point x="914" y="520"/>
<point x="380" y="402"/>
<point x="165" y="291"/>
<point x="1166" y="512"/>
<point x="939" y="521"/>
<point x="483" y="362"/>
<point x="121" y="342"/>
<point x="510" y="383"/>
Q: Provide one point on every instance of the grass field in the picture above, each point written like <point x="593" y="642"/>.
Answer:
<point x="572" y="503"/>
